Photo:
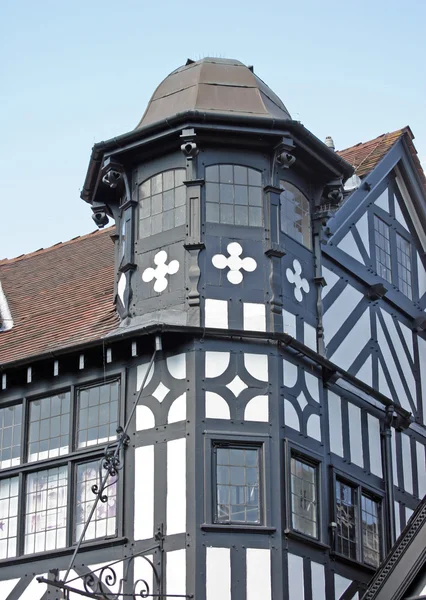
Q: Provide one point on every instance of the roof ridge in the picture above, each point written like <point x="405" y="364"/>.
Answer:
<point x="382" y="136"/>
<point x="7" y="261"/>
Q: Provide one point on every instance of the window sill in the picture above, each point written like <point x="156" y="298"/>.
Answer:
<point x="85" y="547"/>
<point x="237" y="528"/>
<point x="353" y="563"/>
<point x="296" y="535"/>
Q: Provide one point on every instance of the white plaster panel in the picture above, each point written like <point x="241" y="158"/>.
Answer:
<point x="349" y="245"/>
<point x="218" y="574"/>
<point x="390" y="363"/>
<point x="355" y="435"/>
<point x="422" y="276"/>
<point x="176" y="572"/>
<point x="408" y="513"/>
<point x="422" y="361"/>
<point x="258" y="574"/>
<point x="310" y="336"/>
<point x="144" y="493"/>
<point x="289" y="323"/>
<point x="216" y="313"/>
<point x="318" y="581"/>
<point x="176" y="486"/>
<point x="216" y="407"/>
<point x="340" y="310"/>
<point x="177" y="411"/>
<point x="362" y="227"/>
<point x="313" y="427"/>
<point x="383" y="201"/>
<point x="399" y="216"/>
<point x="408" y="336"/>
<point x="394" y="462"/>
<point x="331" y="279"/>
<point x="407" y="463"/>
<point x="254" y="316"/>
<point x="140" y="374"/>
<point x="375" y="445"/>
<point x="335" y="423"/>
<point x="290" y="371"/>
<point x="236" y="386"/>
<point x="301" y="400"/>
<point x="312" y="384"/>
<point x="143" y="571"/>
<point x="296" y="588"/>
<point x="365" y="373"/>
<point x="35" y="590"/>
<point x="5" y="314"/>
<point x="383" y="383"/>
<point x="341" y="584"/>
<point x="121" y="287"/>
<point x="397" y="520"/>
<point x="257" y="365"/>
<point x="145" y="418"/>
<point x="354" y="342"/>
<point x="216" y="363"/>
<point x="257" y="409"/>
<point x="177" y="365"/>
<point x="399" y="349"/>
<point x="421" y="469"/>
<point x="6" y="586"/>
<point x="291" y="418"/>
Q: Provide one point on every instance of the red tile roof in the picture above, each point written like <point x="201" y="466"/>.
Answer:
<point x="59" y="297"/>
<point x="365" y="156"/>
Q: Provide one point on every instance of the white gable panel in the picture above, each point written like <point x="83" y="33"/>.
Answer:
<point x="399" y="216"/>
<point x="353" y="343"/>
<point x="365" y="373"/>
<point x="422" y="276"/>
<point x="400" y="352"/>
<point x="383" y="201"/>
<point x="349" y="245"/>
<point x="340" y="310"/>
<point x="362" y="228"/>
<point x="390" y="363"/>
<point x="408" y="336"/>
<point x="330" y="278"/>
<point x="383" y="383"/>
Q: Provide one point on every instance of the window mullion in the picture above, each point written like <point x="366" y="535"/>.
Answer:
<point x="360" y="540"/>
<point x="21" y="515"/>
<point x="70" y="506"/>
<point x="24" y="430"/>
<point x="73" y="419"/>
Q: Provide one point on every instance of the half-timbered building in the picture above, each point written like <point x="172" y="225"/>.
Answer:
<point x="223" y="397"/>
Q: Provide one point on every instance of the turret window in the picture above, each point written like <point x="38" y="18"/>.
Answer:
<point x="234" y="195"/>
<point x="162" y="203"/>
<point x="295" y="214"/>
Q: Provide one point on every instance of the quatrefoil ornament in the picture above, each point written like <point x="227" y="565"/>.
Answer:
<point x="161" y="271"/>
<point x="300" y="283"/>
<point x="234" y="262"/>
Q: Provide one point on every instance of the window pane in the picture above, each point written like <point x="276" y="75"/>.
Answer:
<point x="163" y="192"/>
<point x="295" y="214"/>
<point x="49" y="427"/>
<point x="370" y="531"/>
<point x="8" y="516"/>
<point x="97" y="407"/>
<point x="237" y="485"/>
<point x="46" y="510"/>
<point x="346" y="542"/>
<point x="10" y="436"/>
<point x="403" y="256"/>
<point x="103" y="522"/>
<point x="382" y="245"/>
<point x="304" y="508"/>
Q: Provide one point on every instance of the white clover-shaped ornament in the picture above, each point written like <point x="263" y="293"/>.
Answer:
<point x="161" y="270"/>
<point x="300" y="283"/>
<point x="234" y="262"/>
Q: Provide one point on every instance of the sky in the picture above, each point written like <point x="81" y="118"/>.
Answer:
<point x="77" y="72"/>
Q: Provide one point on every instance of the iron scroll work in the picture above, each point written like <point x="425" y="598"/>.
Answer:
<point x="97" y="584"/>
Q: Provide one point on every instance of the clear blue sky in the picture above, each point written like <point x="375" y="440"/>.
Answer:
<point x="80" y="71"/>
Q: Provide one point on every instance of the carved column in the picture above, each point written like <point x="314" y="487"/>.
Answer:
<point x="275" y="252"/>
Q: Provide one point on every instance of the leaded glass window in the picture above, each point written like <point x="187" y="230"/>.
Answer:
<point x="295" y="214"/>
<point x="97" y="414"/>
<point x="9" y="490"/>
<point x="370" y="531"/>
<point x="237" y="485"/>
<point x="49" y="424"/>
<point x="403" y="257"/>
<point x="103" y="522"/>
<point x="10" y="436"/>
<point x="383" y="251"/>
<point x="162" y="202"/>
<point x="346" y="514"/>
<point x="304" y="503"/>
<point x="234" y="195"/>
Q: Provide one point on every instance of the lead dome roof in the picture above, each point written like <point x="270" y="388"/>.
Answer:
<point x="215" y="86"/>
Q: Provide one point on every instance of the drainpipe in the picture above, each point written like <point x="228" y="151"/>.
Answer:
<point x="388" y="472"/>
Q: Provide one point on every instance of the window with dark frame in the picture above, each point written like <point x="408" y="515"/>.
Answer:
<point x="403" y="257"/>
<point x="44" y="523"/>
<point x="162" y="202"/>
<point x="234" y="195"/>
<point x="237" y="484"/>
<point x="383" y="248"/>
<point x="304" y="495"/>
<point x="295" y="214"/>
<point x="358" y="518"/>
